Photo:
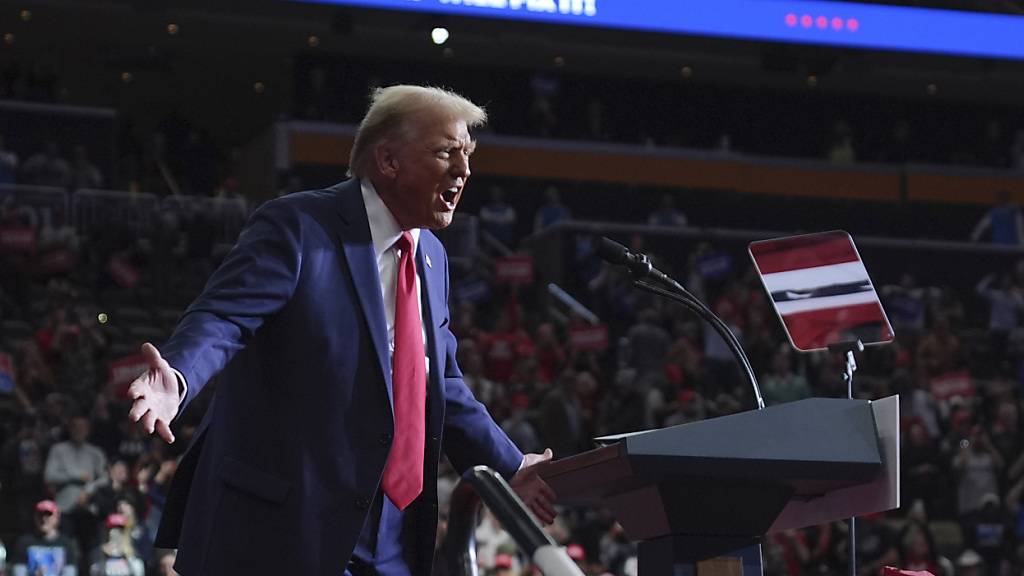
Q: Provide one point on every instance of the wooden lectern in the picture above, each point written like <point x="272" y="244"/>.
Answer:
<point x="698" y="497"/>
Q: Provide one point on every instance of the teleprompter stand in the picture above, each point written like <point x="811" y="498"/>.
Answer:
<point x="847" y="350"/>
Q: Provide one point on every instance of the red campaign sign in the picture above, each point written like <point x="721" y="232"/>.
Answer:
<point x="952" y="384"/>
<point x="589" y="337"/>
<point x="123" y="371"/>
<point x="17" y="239"/>
<point x="123" y="272"/>
<point x="56" y="261"/>
<point x="515" y="270"/>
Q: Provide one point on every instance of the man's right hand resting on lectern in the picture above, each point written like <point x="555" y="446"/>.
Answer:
<point x="156" y="395"/>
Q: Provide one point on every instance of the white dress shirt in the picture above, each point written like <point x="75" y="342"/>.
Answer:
<point x="385" y="231"/>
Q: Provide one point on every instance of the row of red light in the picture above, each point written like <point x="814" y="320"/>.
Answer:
<point x="822" y="22"/>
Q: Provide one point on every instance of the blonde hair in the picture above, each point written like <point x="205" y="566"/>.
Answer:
<point x="392" y="107"/>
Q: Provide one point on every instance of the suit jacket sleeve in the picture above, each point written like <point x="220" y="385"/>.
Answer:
<point x="256" y="279"/>
<point x="471" y="436"/>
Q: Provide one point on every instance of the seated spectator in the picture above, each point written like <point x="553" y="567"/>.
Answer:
<point x="75" y="468"/>
<point x="689" y="406"/>
<point x="906" y="304"/>
<point x="493" y="541"/>
<point x="917" y="544"/>
<point x="616" y="549"/>
<point x="648" y="344"/>
<point x="922" y="473"/>
<point x="116" y="488"/>
<point x="472" y="363"/>
<point x="8" y="164"/>
<point x="939" y="350"/>
<point x="46" y="168"/>
<point x="503" y="348"/>
<point x="84" y="174"/>
<point x="518" y="426"/>
<point x="623" y="408"/>
<point x="498" y="218"/>
<point x="782" y="384"/>
<point x="918" y="553"/>
<point x="23" y="455"/>
<point x="116" y="556"/>
<point x="667" y="214"/>
<point x="562" y="422"/>
<point x="136" y="530"/>
<point x="550" y="352"/>
<point x="987" y="532"/>
<point x="45" y="552"/>
<point x="877" y="546"/>
<point x="552" y="211"/>
<point x="977" y="466"/>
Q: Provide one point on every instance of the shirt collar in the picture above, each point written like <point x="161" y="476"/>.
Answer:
<point x="384" y="229"/>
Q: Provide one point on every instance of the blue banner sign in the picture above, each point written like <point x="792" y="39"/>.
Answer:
<point x="871" y="26"/>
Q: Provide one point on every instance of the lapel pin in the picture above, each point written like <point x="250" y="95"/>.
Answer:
<point x="429" y="263"/>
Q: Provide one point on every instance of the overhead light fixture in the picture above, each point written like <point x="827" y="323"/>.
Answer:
<point x="26" y="15"/>
<point x="127" y="77"/>
<point x="313" y="40"/>
<point x="8" y="38"/>
<point x="439" y="35"/>
<point x="172" y="29"/>
<point x="686" y="71"/>
<point x="259" y="87"/>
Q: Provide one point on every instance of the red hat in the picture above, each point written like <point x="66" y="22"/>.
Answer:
<point x="576" y="552"/>
<point x="47" y="506"/>
<point x="116" y="521"/>
<point x="502" y="561"/>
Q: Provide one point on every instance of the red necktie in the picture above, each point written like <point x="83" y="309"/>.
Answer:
<point x="403" y="474"/>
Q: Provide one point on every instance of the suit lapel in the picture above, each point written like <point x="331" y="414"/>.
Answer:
<point x="431" y="314"/>
<point x="357" y="243"/>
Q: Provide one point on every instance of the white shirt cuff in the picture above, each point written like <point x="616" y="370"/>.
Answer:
<point x="183" y="387"/>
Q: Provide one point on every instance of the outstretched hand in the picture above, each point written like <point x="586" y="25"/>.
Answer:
<point x="533" y="490"/>
<point x="155" y="395"/>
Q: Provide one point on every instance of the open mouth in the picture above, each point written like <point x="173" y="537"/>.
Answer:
<point x="449" y="197"/>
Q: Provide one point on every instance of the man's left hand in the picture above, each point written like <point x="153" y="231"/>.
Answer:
<point x="533" y="490"/>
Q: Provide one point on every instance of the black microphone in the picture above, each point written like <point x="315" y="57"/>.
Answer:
<point x="639" y="265"/>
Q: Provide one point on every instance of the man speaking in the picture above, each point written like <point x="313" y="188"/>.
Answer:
<point x="339" y="389"/>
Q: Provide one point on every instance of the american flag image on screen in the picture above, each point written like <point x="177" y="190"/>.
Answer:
<point x="821" y="290"/>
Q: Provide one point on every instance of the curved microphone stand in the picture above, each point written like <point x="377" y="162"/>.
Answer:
<point x="684" y="297"/>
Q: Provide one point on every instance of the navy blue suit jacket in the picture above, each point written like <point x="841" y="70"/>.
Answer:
<point x="280" y="475"/>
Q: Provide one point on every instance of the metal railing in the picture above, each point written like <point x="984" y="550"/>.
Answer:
<point x="97" y="209"/>
<point x="484" y="484"/>
<point x="92" y="210"/>
<point x="39" y="206"/>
